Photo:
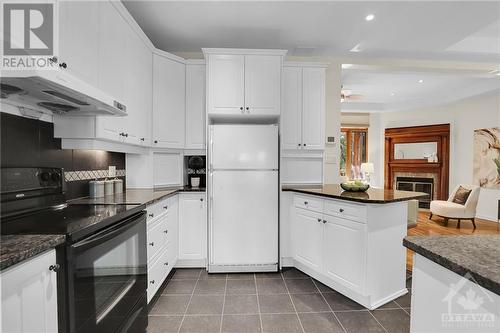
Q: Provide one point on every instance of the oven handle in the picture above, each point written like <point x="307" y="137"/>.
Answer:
<point x="106" y="234"/>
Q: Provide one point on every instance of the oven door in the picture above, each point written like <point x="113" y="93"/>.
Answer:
<point x="107" y="277"/>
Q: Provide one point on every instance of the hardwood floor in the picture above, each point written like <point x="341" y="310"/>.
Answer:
<point x="426" y="227"/>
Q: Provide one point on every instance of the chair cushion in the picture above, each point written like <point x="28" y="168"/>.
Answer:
<point x="449" y="209"/>
<point x="461" y="195"/>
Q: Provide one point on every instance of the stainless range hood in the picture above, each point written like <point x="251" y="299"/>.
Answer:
<point x="55" y="91"/>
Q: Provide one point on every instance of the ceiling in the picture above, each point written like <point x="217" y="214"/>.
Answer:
<point x="393" y="88"/>
<point x="460" y="30"/>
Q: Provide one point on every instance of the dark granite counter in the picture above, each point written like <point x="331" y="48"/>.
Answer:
<point x="477" y="255"/>
<point x="372" y="195"/>
<point x="16" y="248"/>
<point x="137" y="196"/>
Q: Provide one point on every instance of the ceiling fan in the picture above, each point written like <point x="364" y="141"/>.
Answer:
<point x="346" y="95"/>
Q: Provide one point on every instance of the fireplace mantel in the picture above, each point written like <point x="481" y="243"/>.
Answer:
<point x="432" y="133"/>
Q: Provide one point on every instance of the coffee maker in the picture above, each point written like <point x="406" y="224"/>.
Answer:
<point x="195" y="167"/>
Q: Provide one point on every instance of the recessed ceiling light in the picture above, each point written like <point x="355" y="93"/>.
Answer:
<point x="369" y="17"/>
<point x="393" y="93"/>
<point x="357" y="48"/>
<point x="420" y="81"/>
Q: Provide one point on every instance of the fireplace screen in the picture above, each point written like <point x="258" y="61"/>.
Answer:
<point x="417" y="184"/>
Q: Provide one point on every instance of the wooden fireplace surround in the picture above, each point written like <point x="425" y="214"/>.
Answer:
<point x="431" y="133"/>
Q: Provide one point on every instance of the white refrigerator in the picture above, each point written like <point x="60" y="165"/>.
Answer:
<point x="243" y="191"/>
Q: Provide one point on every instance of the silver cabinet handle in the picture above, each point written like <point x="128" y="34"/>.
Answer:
<point x="152" y="244"/>
<point x="324" y="221"/>
<point x="341" y="210"/>
<point x="152" y="281"/>
<point x="304" y="144"/>
<point x="201" y="199"/>
<point x="151" y="215"/>
<point x="166" y="231"/>
<point x="305" y="202"/>
<point x="54" y="267"/>
<point x="166" y="264"/>
<point x="319" y="220"/>
<point x="165" y="207"/>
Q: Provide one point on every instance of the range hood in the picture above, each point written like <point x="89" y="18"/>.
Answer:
<point x="55" y="91"/>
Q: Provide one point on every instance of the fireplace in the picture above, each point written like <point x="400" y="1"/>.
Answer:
<point x="417" y="184"/>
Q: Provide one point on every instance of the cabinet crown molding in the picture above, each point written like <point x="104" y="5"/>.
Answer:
<point x="306" y="64"/>
<point x="207" y="51"/>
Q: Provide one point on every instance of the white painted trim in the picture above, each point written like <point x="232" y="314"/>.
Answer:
<point x="301" y="156"/>
<point x="102" y="145"/>
<point x="191" y="263"/>
<point x="287" y="262"/>
<point x="486" y="217"/>
<point x="305" y="64"/>
<point x="207" y="51"/>
<point x="195" y="62"/>
<point x="169" y="56"/>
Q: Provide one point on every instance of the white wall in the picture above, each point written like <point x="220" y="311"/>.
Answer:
<point x="464" y="117"/>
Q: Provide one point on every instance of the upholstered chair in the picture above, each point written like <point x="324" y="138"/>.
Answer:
<point x="452" y="210"/>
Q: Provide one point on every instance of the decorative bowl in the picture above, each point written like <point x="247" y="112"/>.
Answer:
<point x="352" y="187"/>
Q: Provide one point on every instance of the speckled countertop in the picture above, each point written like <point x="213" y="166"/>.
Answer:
<point x="372" y="195"/>
<point x="137" y="196"/>
<point x="478" y="255"/>
<point x="16" y="248"/>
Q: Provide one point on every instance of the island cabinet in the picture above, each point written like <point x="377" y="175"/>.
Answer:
<point x="29" y="295"/>
<point x="355" y="248"/>
<point x="162" y="246"/>
<point x="244" y="83"/>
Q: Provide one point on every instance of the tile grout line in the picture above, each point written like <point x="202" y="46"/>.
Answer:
<point x="335" y="315"/>
<point x="223" y="305"/>
<point x="189" y="302"/>
<point x="370" y="311"/>
<point x="293" y="304"/>
<point x="258" y="304"/>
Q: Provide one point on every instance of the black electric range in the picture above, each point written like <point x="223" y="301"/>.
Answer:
<point x="102" y="279"/>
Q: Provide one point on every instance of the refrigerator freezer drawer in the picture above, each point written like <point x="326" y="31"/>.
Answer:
<point x="244" y="147"/>
<point x="244" y="223"/>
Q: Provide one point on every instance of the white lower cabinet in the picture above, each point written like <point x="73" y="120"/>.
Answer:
<point x="192" y="229"/>
<point x="354" y="248"/>
<point x="162" y="236"/>
<point x="344" y="251"/>
<point x="308" y="226"/>
<point x="29" y="296"/>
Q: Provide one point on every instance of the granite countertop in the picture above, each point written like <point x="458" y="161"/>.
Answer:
<point x="478" y="255"/>
<point x="372" y="195"/>
<point x="16" y="248"/>
<point x="137" y="196"/>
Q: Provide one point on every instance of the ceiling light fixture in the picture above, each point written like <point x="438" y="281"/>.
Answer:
<point x="369" y="17"/>
<point x="357" y="48"/>
<point x="420" y="81"/>
<point x="393" y="93"/>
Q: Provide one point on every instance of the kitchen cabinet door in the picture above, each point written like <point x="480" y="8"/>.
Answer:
<point x="112" y="66"/>
<point x="291" y="117"/>
<point x="307" y="237"/>
<point x="313" y="108"/>
<point x="344" y="251"/>
<point x="79" y="39"/>
<point x="192" y="226"/>
<point x="226" y="79"/>
<point x="29" y="296"/>
<point x="262" y="85"/>
<point x="195" y="106"/>
<point x="169" y="98"/>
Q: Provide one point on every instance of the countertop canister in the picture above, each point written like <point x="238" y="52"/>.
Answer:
<point x="96" y="188"/>
<point x="118" y="183"/>
<point x="109" y="187"/>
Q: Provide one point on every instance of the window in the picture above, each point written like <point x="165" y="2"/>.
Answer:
<point x="353" y="151"/>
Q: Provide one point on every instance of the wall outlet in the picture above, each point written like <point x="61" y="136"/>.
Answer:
<point x="112" y="171"/>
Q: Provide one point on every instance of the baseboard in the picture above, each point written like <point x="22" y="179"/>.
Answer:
<point x="487" y="218"/>
<point x="191" y="263"/>
<point x="287" y="262"/>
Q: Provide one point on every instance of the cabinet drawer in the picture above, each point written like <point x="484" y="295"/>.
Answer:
<point x="157" y="236"/>
<point x="308" y="203"/>
<point x="157" y="209"/>
<point x="346" y="210"/>
<point x="156" y="274"/>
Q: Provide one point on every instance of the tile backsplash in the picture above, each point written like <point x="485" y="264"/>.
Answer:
<point x="29" y="142"/>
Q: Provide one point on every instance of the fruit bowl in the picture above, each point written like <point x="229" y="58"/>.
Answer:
<point x="355" y="186"/>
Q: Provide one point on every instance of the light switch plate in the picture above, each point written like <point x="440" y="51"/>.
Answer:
<point x="112" y="171"/>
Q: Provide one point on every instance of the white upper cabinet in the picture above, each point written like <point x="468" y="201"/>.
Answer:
<point x="195" y="106"/>
<point x="244" y="82"/>
<point x="79" y="39"/>
<point x="303" y="116"/>
<point x="169" y="102"/>
<point x="226" y="85"/>
<point x="291" y="117"/>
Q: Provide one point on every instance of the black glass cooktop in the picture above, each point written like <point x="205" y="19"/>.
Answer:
<point x="74" y="221"/>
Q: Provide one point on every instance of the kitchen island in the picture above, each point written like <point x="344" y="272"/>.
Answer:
<point x="456" y="283"/>
<point x="352" y="242"/>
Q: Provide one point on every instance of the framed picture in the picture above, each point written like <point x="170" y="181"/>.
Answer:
<point x="487" y="157"/>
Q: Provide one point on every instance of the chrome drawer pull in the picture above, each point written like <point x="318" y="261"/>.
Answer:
<point x="152" y="244"/>
<point x="54" y="268"/>
<point x="152" y="281"/>
<point x="341" y="210"/>
<point x="151" y="215"/>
